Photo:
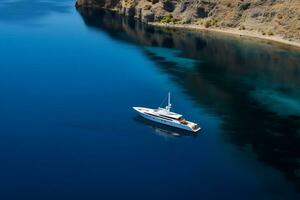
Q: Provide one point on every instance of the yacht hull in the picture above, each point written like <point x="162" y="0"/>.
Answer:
<point x="162" y="121"/>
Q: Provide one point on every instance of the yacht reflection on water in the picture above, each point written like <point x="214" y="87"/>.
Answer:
<point x="253" y="88"/>
<point x="164" y="130"/>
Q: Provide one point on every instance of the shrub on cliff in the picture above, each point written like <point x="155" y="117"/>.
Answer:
<point x="169" y="19"/>
<point x="208" y="24"/>
<point x="211" y="22"/>
<point x="270" y="33"/>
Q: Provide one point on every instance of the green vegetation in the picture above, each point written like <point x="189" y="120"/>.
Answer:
<point x="270" y="33"/>
<point x="199" y="22"/>
<point x="207" y="24"/>
<point x="242" y="27"/>
<point x="211" y="22"/>
<point x="169" y="19"/>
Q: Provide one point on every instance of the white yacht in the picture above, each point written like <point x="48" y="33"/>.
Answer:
<point x="165" y="116"/>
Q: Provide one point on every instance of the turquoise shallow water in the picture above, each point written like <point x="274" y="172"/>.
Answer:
<point x="69" y="79"/>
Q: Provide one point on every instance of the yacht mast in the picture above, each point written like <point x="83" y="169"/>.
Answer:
<point x="169" y="99"/>
<point x="169" y="102"/>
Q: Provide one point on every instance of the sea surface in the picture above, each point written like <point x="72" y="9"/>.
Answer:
<point x="69" y="79"/>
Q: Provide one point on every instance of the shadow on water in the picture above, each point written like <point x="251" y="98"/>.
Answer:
<point x="253" y="87"/>
<point x="163" y="130"/>
<point x="31" y="10"/>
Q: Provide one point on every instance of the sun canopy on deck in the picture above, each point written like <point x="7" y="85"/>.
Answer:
<point x="173" y="115"/>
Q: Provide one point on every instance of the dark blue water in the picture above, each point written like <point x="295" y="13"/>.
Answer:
<point x="69" y="79"/>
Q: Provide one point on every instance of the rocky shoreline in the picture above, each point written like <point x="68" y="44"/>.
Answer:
<point x="272" y="20"/>
<point x="246" y="34"/>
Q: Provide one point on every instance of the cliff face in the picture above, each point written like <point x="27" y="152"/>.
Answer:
<point x="267" y="17"/>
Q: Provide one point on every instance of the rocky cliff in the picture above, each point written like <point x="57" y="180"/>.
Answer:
<point x="266" y="17"/>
